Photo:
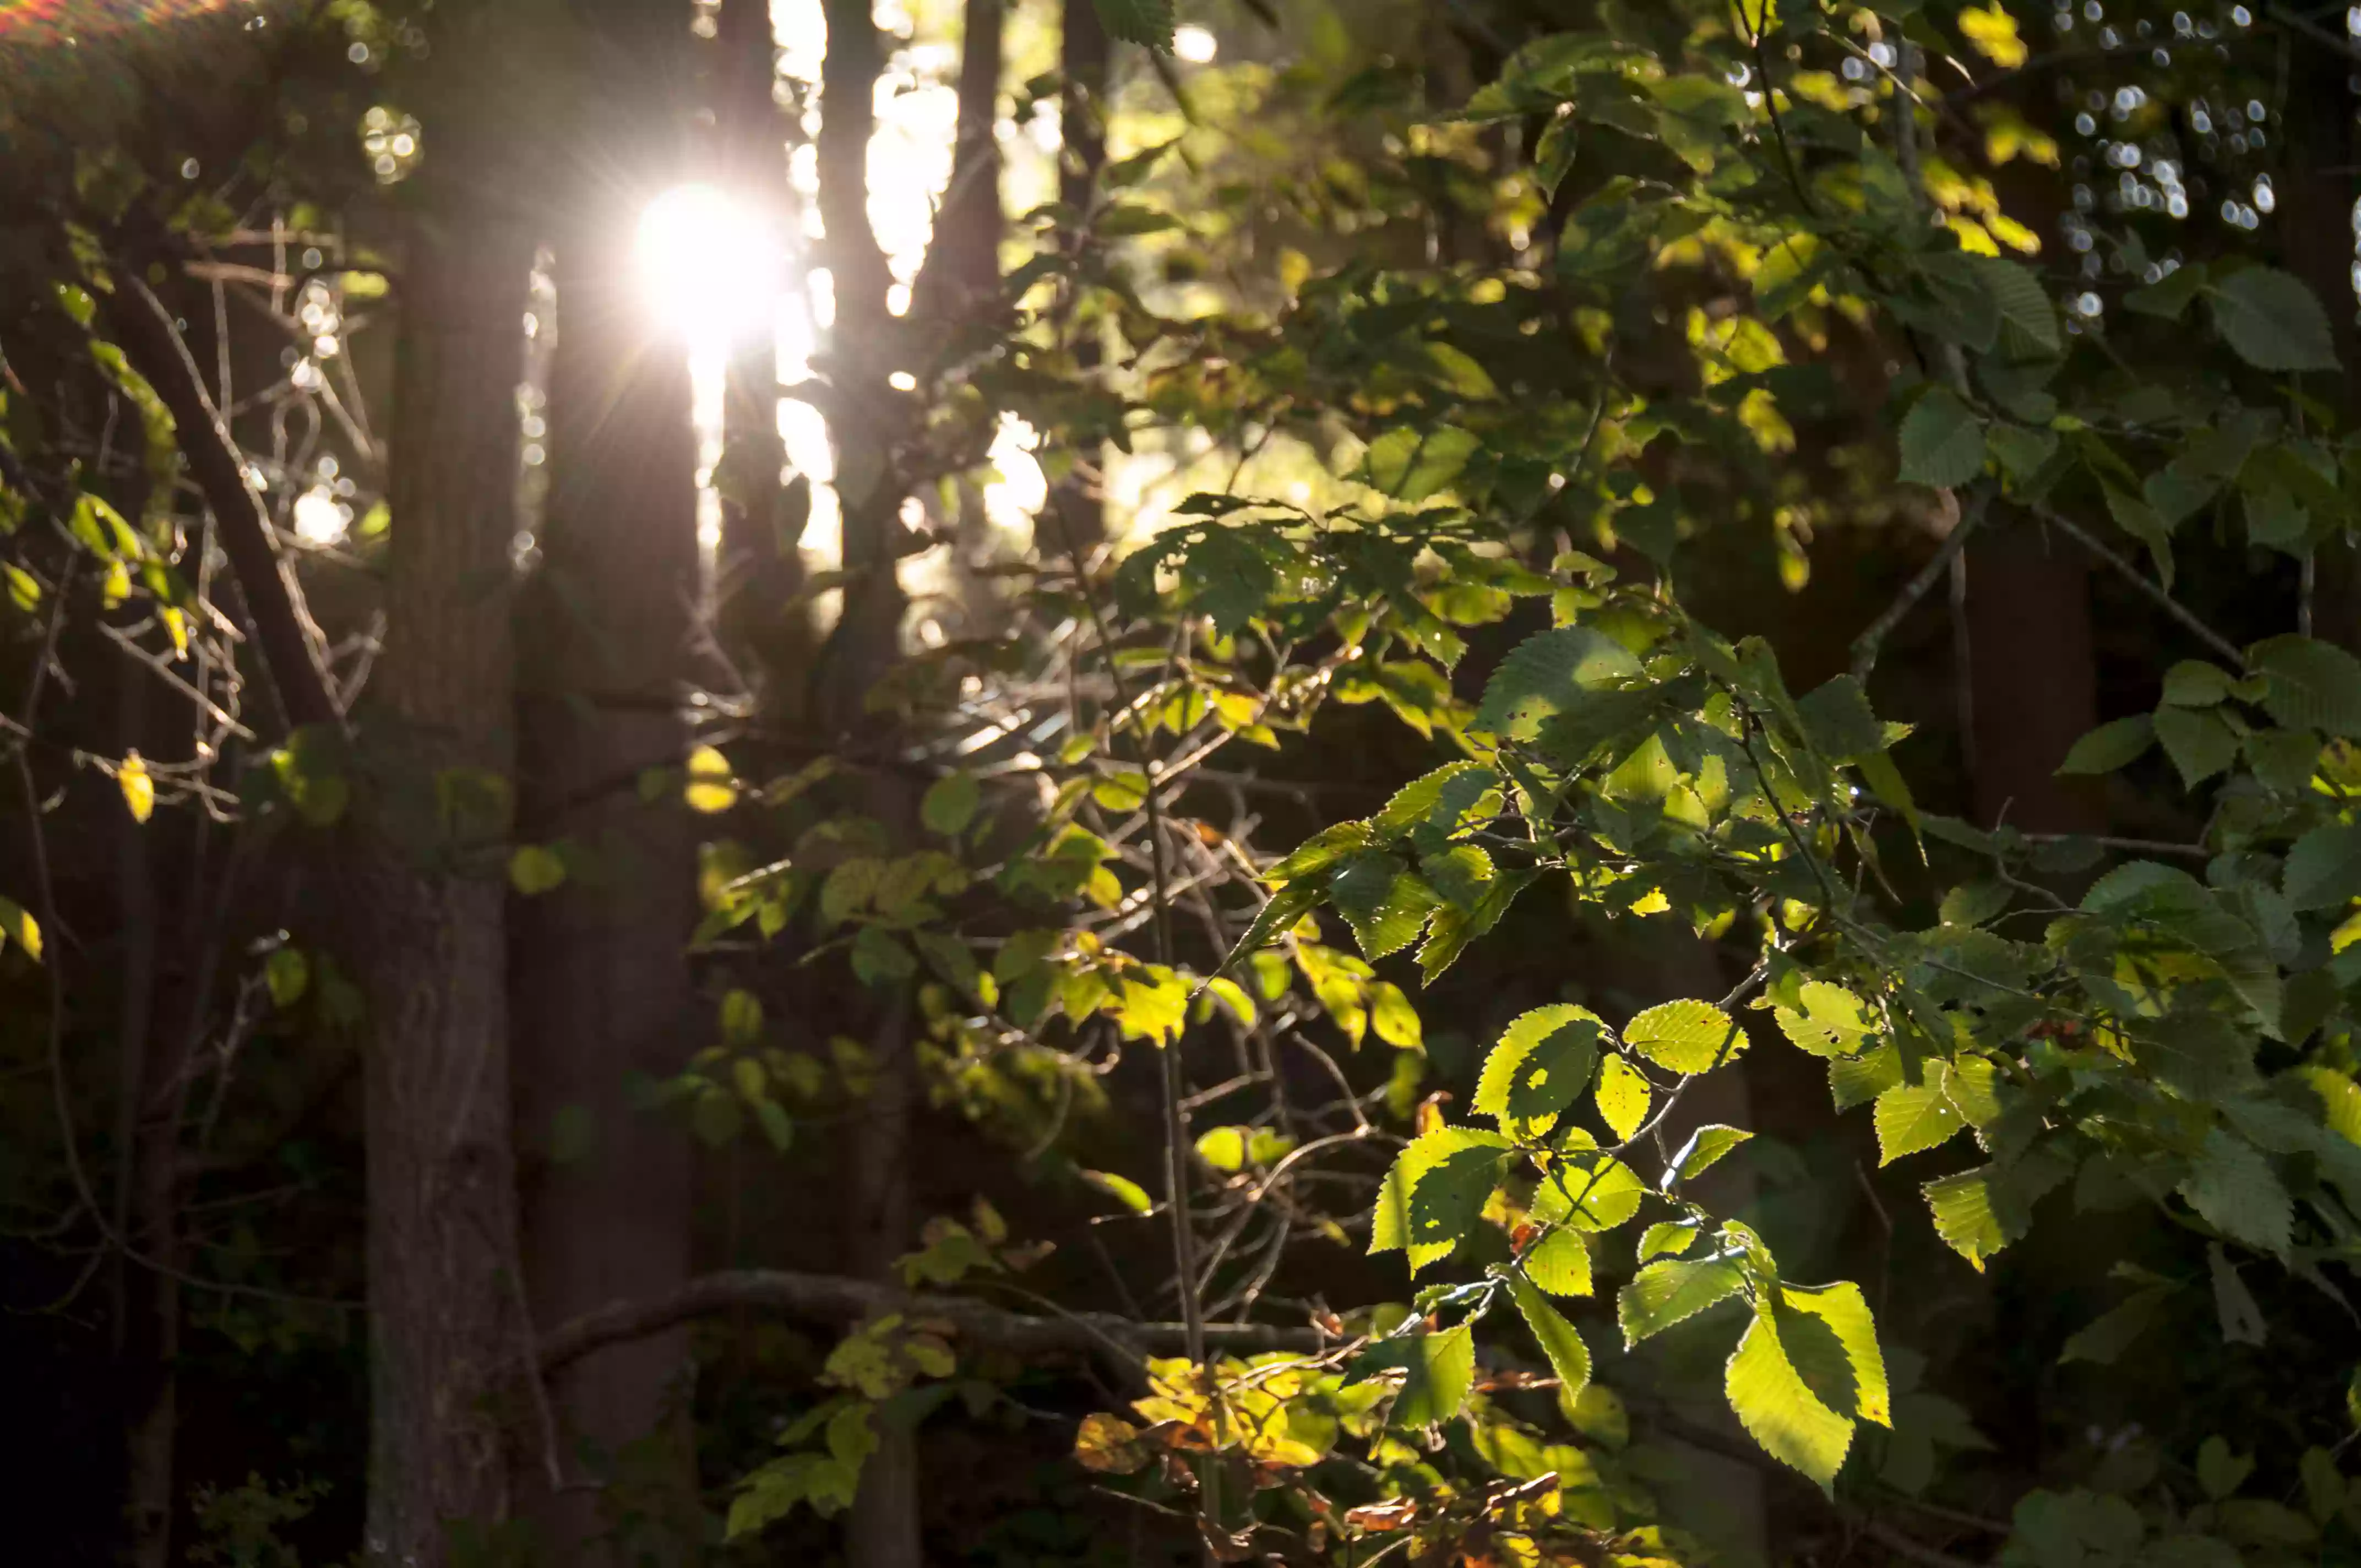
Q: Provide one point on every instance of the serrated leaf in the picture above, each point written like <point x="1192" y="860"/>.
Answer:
<point x="1549" y="674"/>
<point x="1685" y="1036"/>
<point x="1560" y="1263"/>
<point x="1838" y="722"/>
<point x="1338" y="842"/>
<point x="1845" y="1312"/>
<point x="2323" y="866"/>
<point x="1383" y="901"/>
<point x="1942" y="441"/>
<point x="1833" y="1022"/>
<point x="2026" y="312"/>
<point x="1671" y="1291"/>
<point x="2199" y="741"/>
<point x="2309" y="685"/>
<point x="2232" y="1186"/>
<point x="1912" y="1117"/>
<point x="1965" y="1217"/>
<point x="1541" y="1065"/>
<point x="1589" y="1191"/>
<point x="1287" y="905"/>
<point x="2109" y="746"/>
<point x="1666" y="1238"/>
<point x="1703" y="1149"/>
<point x="1568" y="1357"/>
<point x="1439" y="1372"/>
<point x="2273" y="320"/>
<point x="1148" y="23"/>
<point x="1434" y="1193"/>
<point x="1623" y="1095"/>
<point x="1773" y="1402"/>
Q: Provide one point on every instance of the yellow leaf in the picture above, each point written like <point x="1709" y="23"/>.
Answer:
<point x="177" y="623"/>
<point x="138" y="788"/>
<point x="118" y="586"/>
<point x="711" y="786"/>
<point x="1993" y="32"/>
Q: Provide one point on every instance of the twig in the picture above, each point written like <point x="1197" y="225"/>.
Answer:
<point x="825" y="1297"/>
<point x="1866" y="646"/>
<point x="289" y="647"/>
<point x="2154" y="593"/>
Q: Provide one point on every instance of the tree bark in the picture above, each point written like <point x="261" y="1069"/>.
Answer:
<point x="429" y="946"/>
<point x="2033" y="677"/>
<point x="599" y="968"/>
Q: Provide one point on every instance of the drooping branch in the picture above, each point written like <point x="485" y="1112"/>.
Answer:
<point x="284" y="629"/>
<point x="1117" y="1342"/>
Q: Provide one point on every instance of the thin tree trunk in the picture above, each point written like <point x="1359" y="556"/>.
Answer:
<point x="599" y="972"/>
<point x="431" y="905"/>
<point x="757" y="559"/>
<point x="2033" y="677"/>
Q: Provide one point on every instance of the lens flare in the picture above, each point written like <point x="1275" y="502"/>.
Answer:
<point x="710" y="265"/>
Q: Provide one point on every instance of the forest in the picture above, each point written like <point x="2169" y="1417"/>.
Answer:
<point x="1107" y="783"/>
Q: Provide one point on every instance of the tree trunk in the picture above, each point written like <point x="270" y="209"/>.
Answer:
<point x="599" y="973"/>
<point x="2033" y="678"/>
<point x="430" y="950"/>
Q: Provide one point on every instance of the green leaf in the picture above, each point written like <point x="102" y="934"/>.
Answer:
<point x="1774" y="1405"/>
<point x="1942" y="441"/>
<point x="1966" y="1216"/>
<point x="1623" y="1096"/>
<point x="2199" y="741"/>
<point x="1912" y="1117"/>
<point x="1434" y="1193"/>
<point x="2242" y="1317"/>
<point x="1838" y="722"/>
<point x="2309" y="685"/>
<point x="1668" y="1292"/>
<point x="1560" y="1263"/>
<point x="1122" y="1189"/>
<point x="1223" y="1148"/>
<point x="1324" y="849"/>
<point x="1666" y="1238"/>
<point x="288" y="975"/>
<point x="1440" y="1370"/>
<point x="2323" y="866"/>
<point x="1148" y="23"/>
<point x="2109" y="746"/>
<point x="1287" y="905"/>
<point x="2273" y="320"/>
<point x="1589" y="1191"/>
<point x="2232" y="1186"/>
<point x="1413" y="463"/>
<point x="2139" y="519"/>
<point x="1686" y="1036"/>
<point x="1856" y="1080"/>
<point x="1552" y="673"/>
<point x="950" y="804"/>
<point x="2111" y="1332"/>
<point x="1833" y="1022"/>
<point x="2193" y="683"/>
<point x="1539" y="1068"/>
<point x="1845" y="1312"/>
<point x="1568" y="1357"/>
<point x="2029" y="321"/>
<point x="1383" y="901"/>
<point x="1704" y="1149"/>
<point x="535" y="868"/>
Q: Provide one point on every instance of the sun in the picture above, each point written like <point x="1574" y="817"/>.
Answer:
<point x="711" y="268"/>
